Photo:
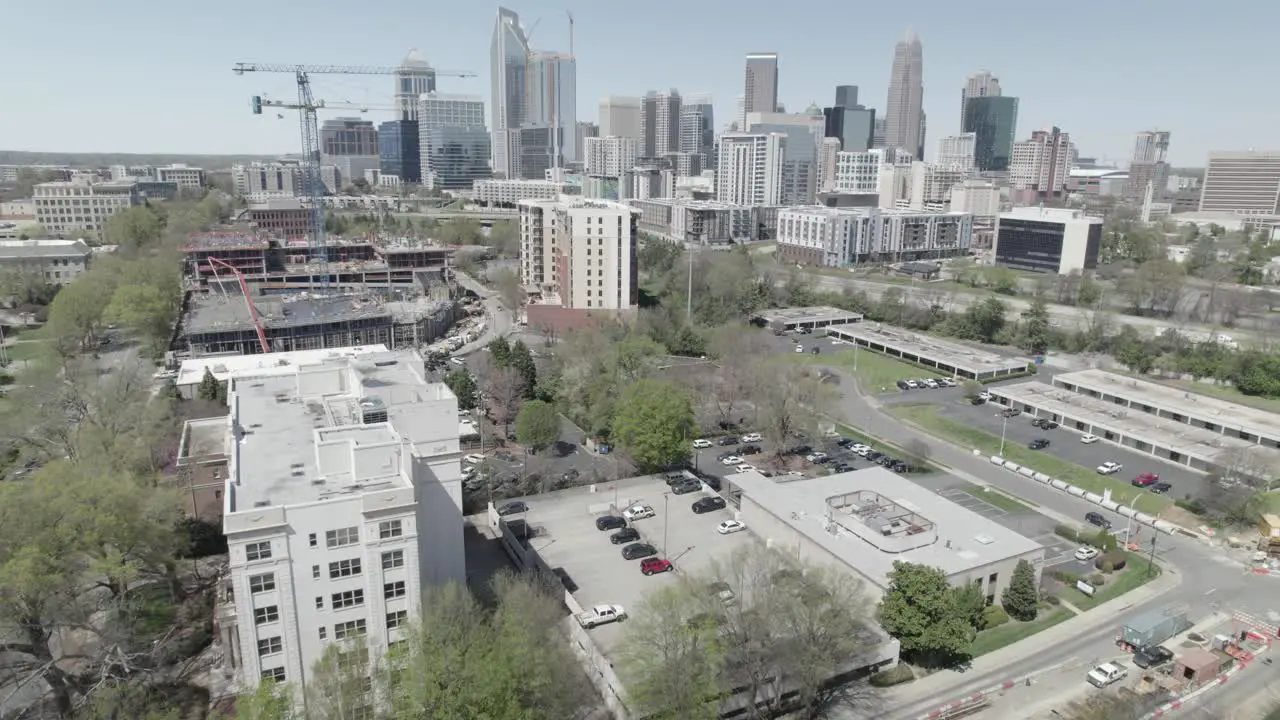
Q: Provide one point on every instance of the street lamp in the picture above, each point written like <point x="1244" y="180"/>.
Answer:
<point x="1004" y="427"/>
<point x="1128" y="526"/>
<point x="666" y="499"/>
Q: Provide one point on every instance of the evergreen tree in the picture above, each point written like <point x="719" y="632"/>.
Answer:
<point x="522" y="360"/>
<point x="209" y="389"/>
<point x="1020" y="598"/>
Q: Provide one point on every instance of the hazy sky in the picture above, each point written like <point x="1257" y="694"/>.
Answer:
<point x="151" y="76"/>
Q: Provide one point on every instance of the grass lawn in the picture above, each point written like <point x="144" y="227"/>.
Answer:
<point x="1132" y="577"/>
<point x="876" y="373"/>
<point x="1013" y="631"/>
<point x="929" y="418"/>
<point x="1273" y="501"/>
<point x="28" y="350"/>
<point x="993" y="496"/>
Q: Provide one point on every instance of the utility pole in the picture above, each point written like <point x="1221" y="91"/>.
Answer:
<point x="1151" y="558"/>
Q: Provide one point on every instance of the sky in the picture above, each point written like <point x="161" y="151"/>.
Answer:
<point x="147" y="76"/>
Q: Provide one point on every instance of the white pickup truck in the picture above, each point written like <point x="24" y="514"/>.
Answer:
<point x="1107" y="673"/>
<point x="601" y="615"/>
<point x="639" y="511"/>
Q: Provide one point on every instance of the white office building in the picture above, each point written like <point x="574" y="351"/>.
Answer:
<point x="266" y="179"/>
<point x="931" y="185"/>
<point x="82" y="206"/>
<point x="749" y="168"/>
<point x="980" y="198"/>
<point x="610" y="156"/>
<point x="835" y="237"/>
<point x="579" y="254"/>
<point x="184" y="176"/>
<point x="1048" y="240"/>
<point x="506" y="193"/>
<point x="342" y="504"/>
<point x="957" y="151"/>
<point x="58" y="262"/>
<point x="1242" y="181"/>
<point x="620" y="117"/>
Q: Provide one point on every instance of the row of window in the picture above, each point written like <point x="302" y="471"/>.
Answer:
<point x="395" y="619"/>
<point x="333" y="539"/>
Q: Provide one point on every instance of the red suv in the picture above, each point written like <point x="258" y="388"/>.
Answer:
<point x="1146" y="479"/>
<point x="653" y="566"/>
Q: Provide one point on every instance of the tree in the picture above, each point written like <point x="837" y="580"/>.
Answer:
<point x="270" y="701"/>
<point x="209" y="388"/>
<point x="985" y="319"/>
<point x="655" y="422"/>
<point x="500" y="351"/>
<point x="537" y="425"/>
<point x="341" y="685"/>
<point x="463" y="385"/>
<point x="522" y="360"/>
<point x="507" y="283"/>
<point x="918" y="451"/>
<point x="1021" y="599"/>
<point x="921" y="611"/>
<point x="75" y="315"/>
<point x="788" y="399"/>
<point x="134" y="229"/>
<point x="1035" y="330"/>
<point x="504" y="238"/>
<point x="972" y="388"/>
<point x="738" y="351"/>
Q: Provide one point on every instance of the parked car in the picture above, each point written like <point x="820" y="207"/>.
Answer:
<point x="744" y="467"/>
<point x="930" y="383"/>
<point x="1106" y="674"/>
<point x="841" y="468"/>
<point x="708" y="504"/>
<point x="731" y="526"/>
<point x="1096" y="518"/>
<point x="1146" y="479"/>
<point x="1089" y="439"/>
<point x="1086" y="553"/>
<point x="730" y="460"/>
<point x="949" y="382"/>
<point x="702" y="443"/>
<point x="1150" y="657"/>
<point x="977" y="401"/>
<point x="625" y="535"/>
<point x="513" y="508"/>
<point x="899" y="466"/>
<point x="610" y="522"/>
<point x="727" y="441"/>
<point x="1109" y="468"/>
<point x="1038" y="444"/>
<point x="1161" y="488"/>
<point x="984" y="395"/>
<point x="1011" y="412"/>
<point x="639" y="511"/>
<point x="912" y="384"/>
<point x="1044" y="423"/>
<point x="902" y="385"/>
<point x="600" y="615"/>
<point x="752" y="438"/>
<point x="653" y="566"/>
<point x="473" y="459"/>
<point x="686" y="487"/>
<point x="816" y="457"/>
<point x="750" y="450"/>
<point x="635" y="551"/>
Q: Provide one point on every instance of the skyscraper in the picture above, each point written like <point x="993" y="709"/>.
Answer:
<point x="993" y="120"/>
<point x="761" y="83"/>
<point x="980" y="84"/>
<point x="547" y="137"/>
<point x="508" y="66"/>
<point x="847" y="96"/>
<point x="956" y="151"/>
<point x="1149" y="165"/>
<point x="697" y="127"/>
<point x="660" y="124"/>
<point x="905" y="104"/>
<point x="414" y="77"/>
<point x="853" y="124"/>
<point x="749" y="168"/>
<point x="454" y="145"/>
<point x="620" y="117"/>
<point x="1039" y="167"/>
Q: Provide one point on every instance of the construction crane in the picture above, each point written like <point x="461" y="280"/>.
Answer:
<point x="214" y="264"/>
<point x="312" y="188"/>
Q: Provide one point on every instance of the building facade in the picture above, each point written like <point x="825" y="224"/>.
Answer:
<point x="750" y="168"/>
<point x="697" y="134"/>
<point x="55" y="262"/>
<point x="508" y="64"/>
<point x="993" y="120"/>
<point x="452" y="147"/>
<point x="507" y="193"/>
<point x="660" y="123"/>
<point x="761" y="83"/>
<point x="610" y="156"/>
<point x="931" y="185"/>
<point x="979" y="198"/>
<point x="552" y="102"/>
<point x="837" y="237"/>
<point x="620" y="117"/>
<point x="979" y="85"/>
<point x="579" y="254"/>
<point x="414" y="78"/>
<point x="400" y="150"/>
<point x="1039" y="167"/>
<point x="1242" y="181"/>
<point x="73" y="207"/>
<point x="1048" y="240"/>
<point x="904" y="108"/>
<point x="257" y="179"/>
<point x="1149" y="165"/>
<point x="957" y="151"/>
<point x="281" y="218"/>
<point x="800" y="155"/>
<point x="702" y="222"/>
<point x="185" y="177"/>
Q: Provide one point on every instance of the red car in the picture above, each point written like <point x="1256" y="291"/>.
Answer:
<point x="1146" y="479"/>
<point x="653" y="566"/>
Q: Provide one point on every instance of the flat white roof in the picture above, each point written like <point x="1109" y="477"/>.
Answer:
<point x="285" y="363"/>
<point x="957" y="355"/>
<point x="841" y="513"/>
<point x="1236" y="416"/>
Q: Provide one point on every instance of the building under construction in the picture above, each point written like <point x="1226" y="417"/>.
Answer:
<point x="275" y="265"/>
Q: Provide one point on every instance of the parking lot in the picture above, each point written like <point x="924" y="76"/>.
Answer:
<point x="707" y="460"/>
<point x="564" y="533"/>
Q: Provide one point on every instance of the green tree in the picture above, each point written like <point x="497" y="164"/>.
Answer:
<point x="76" y="313"/>
<point x="985" y="319"/>
<point x="504" y="238"/>
<point x="500" y="351"/>
<point x="507" y="282"/>
<point x="1104" y="541"/>
<point x="537" y="425"/>
<point x="340" y="686"/>
<point x="463" y="385"/>
<point x="655" y="422"/>
<point x="1035" y="330"/>
<point x="920" y="610"/>
<point x="209" y="388"/>
<point x="1090" y="294"/>
<point x="522" y="360"/>
<point x="1021" y="599"/>
<point x="270" y="701"/>
<point x="134" y="229"/>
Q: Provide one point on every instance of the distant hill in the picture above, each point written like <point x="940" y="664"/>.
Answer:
<point x="96" y="160"/>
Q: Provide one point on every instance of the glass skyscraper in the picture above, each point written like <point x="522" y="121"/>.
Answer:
<point x="455" y="156"/>
<point x="399" y="149"/>
<point x="993" y="120"/>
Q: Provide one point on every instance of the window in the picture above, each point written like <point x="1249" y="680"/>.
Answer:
<point x="396" y="646"/>
<point x="992" y="580"/>
<point x="268" y="614"/>
<point x="393" y="590"/>
<point x="353" y="628"/>
<point x="315" y="572"/>
<point x="270" y="646"/>
<point x="311" y="540"/>
<point x="323" y="632"/>
<point x="390" y="529"/>
<point x="257" y="551"/>
<point x="342" y="537"/>
<point x="262" y="583"/>
<point x="276" y="674"/>
<point x="344" y="568"/>
<point x="348" y="598"/>
<point x="319" y="602"/>
<point x="392" y="560"/>
<point x="397" y="618"/>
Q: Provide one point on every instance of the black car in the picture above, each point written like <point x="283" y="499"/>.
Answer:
<point x="625" y="535"/>
<point x="635" y="551"/>
<point x="1044" y="423"/>
<point x="1150" y="657"/>
<point x="675" y="478"/>
<point x="841" y="468"/>
<point x="708" y="504"/>
<point x="874" y="455"/>
<point x="610" y="522"/>
<point x="513" y="508"/>
<point x="750" y="450"/>
<point x="885" y="461"/>
<point x="845" y="442"/>
<point x="723" y="455"/>
<point x="1038" y="444"/>
<point x="1011" y="412"/>
<point x="713" y="482"/>
<point x="727" y="441"/>
<point x="686" y="487"/>
<point x="977" y="401"/>
<point x="899" y="467"/>
<point x="1161" y="488"/>
<point x="1096" y="518"/>
<point x="801" y="450"/>
<point x="902" y="385"/>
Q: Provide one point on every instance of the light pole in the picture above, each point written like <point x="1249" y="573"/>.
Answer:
<point x="1128" y="525"/>
<point x="1004" y="427"/>
<point x="666" y="498"/>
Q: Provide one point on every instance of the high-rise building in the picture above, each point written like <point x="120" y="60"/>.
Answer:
<point x="620" y="117"/>
<point x="749" y="168"/>
<point x="853" y="126"/>
<point x="980" y="84"/>
<point x="1040" y="166"/>
<point x="828" y="156"/>
<point x="957" y="151"/>
<point x="401" y="153"/>
<point x="508" y="65"/>
<point x="804" y="134"/>
<point x="761" y="93"/>
<point x="414" y="77"/>
<point x="993" y="120"/>
<point x="903" y="112"/>
<point x="610" y="156"/>
<point x="343" y="507"/>
<point x="547" y="135"/>
<point x="1048" y="240"/>
<point x="453" y="143"/>
<point x="586" y="130"/>
<point x="1149" y="165"/>
<point x="1240" y="181"/>
<point x="838" y="237"/>
<point x="660" y="124"/>
<point x="847" y="96"/>
<point x="579" y="253"/>
<point x="351" y="146"/>
<point x="697" y="127"/>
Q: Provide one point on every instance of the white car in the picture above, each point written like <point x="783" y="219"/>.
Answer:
<point x="816" y="457"/>
<point x="731" y="461"/>
<point x="930" y="383"/>
<point x="1089" y="439"/>
<point x="751" y="437"/>
<point x="1086" y="553"/>
<point x="800" y="348"/>
<point x="473" y="459"/>
<point x="639" y="511"/>
<point x="730" y="526"/>
<point x="949" y="382"/>
<point x="457" y="361"/>
<point x="1109" y="468"/>
<point x="984" y="396"/>
<point x="860" y="449"/>
<point x="702" y="443"/>
<point x="745" y="467"/>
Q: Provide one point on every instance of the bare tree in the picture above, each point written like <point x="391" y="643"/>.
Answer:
<point x="549" y="334"/>
<point x="1067" y="287"/>
<point x="919" y="451"/>
<point x="738" y="352"/>
<point x="507" y="283"/>
<point x="789" y="400"/>
<point x="503" y="390"/>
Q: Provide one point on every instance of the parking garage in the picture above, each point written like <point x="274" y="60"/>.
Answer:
<point x="812" y="318"/>
<point x="1190" y="445"/>
<point x="952" y="358"/>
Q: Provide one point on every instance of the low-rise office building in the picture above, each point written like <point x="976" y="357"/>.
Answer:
<point x="1048" y="240"/>
<point x="834" y="237"/>
<point x="83" y="206"/>
<point x="953" y="358"/>
<point x="507" y="193"/>
<point x="703" y="222"/>
<point x="57" y="262"/>
<point x="184" y="176"/>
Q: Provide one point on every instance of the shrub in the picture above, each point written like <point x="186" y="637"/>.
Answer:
<point x="1065" y="577"/>
<point x="1097" y="580"/>
<point x="1117" y="559"/>
<point x="994" y="616"/>
<point x="1103" y="564"/>
<point x="1051" y="599"/>
<point x="1070" y="532"/>
<point x="1192" y="505"/>
<point x="896" y="675"/>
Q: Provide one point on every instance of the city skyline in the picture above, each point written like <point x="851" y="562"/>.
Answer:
<point x="191" y="103"/>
